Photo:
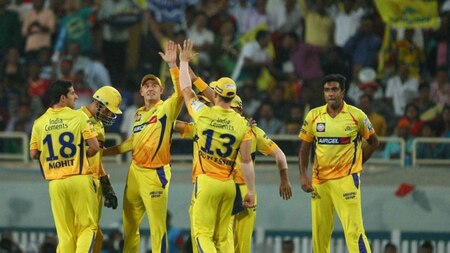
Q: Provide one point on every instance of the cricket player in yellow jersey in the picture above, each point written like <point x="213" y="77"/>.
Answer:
<point x="58" y="141"/>
<point x="335" y="132"/>
<point x="186" y="131"/>
<point x="102" y="112"/>
<point x="243" y="222"/>
<point x="219" y="134"/>
<point x="149" y="175"/>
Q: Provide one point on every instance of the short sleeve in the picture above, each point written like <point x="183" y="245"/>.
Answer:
<point x="264" y="144"/>
<point x="306" y="133"/>
<point x="34" y="140"/>
<point x="366" y="129"/>
<point x="87" y="127"/>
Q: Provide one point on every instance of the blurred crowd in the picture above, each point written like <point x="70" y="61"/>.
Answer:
<point x="276" y="50"/>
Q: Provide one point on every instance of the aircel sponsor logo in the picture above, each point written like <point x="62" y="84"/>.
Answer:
<point x="139" y="128"/>
<point x="333" y="140"/>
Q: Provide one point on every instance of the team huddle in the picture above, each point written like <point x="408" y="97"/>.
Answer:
<point x="69" y="146"/>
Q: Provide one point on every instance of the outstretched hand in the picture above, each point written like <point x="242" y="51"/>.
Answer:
<point x="186" y="51"/>
<point x="170" y="54"/>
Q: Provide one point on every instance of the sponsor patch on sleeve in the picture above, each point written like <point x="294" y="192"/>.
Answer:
<point x="368" y="124"/>
<point x="196" y="105"/>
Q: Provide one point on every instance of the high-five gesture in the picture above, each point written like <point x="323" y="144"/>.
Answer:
<point x="170" y="54"/>
<point x="186" y="51"/>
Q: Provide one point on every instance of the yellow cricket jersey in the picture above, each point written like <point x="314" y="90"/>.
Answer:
<point x="152" y="130"/>
<point x="217" y="138"/>
<point x="59" y="136"/>
<point x="336" y="141"/>
<point x="261" y="143"/>
<point x="95" y="162"/>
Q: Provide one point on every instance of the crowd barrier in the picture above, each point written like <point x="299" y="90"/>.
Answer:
<point x="14" y="147"/>
<point x="266" y="241"/>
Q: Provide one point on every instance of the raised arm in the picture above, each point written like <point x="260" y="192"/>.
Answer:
<point x="185" y="80"/>
<point x="285" y="185"/>
<point x="201" y="85"/>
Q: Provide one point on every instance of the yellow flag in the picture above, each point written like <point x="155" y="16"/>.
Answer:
<point x="409" y="13"/>
<point x="141" y="3"/>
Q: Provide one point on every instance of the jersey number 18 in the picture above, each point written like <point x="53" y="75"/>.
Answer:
<point x="67" y="150"/>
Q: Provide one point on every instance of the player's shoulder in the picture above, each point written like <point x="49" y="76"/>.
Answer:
<point x="317" y="110"/>
<point x="41" y="117"/>
<point x="258" y="131"/>
<point x="355" y="110"/>
<point x="78" y="113"/>
<point x="84" y="110"/>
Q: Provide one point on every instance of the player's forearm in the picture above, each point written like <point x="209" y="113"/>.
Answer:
<point x="90" y="152"/>
<point x="304" y="159"/>
<point x="185" y="82"/>
<point x="371" y="147"/>
<point x="123" y="147"/>
<point x="284" y="176"/>
<point x="280" y="158"/>
<point x="185" y="79"/>
<point x="249" y="175"/>
<point x="204" y="88"/>
<point x="94" y="147"/>
<point x="174" y="75"/>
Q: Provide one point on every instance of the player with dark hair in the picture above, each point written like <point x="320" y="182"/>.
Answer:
<point x="426" y="247"/>
<point x="390" y="248"/>
<point x="335" y="132"/>
<point x="58" y="141"/>
<point x="102" y="112"/>
<point x="147" y="187"/>
<point x="220" y="133"/>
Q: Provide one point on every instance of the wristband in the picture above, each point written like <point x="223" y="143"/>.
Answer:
<point x="200" y="84"/>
